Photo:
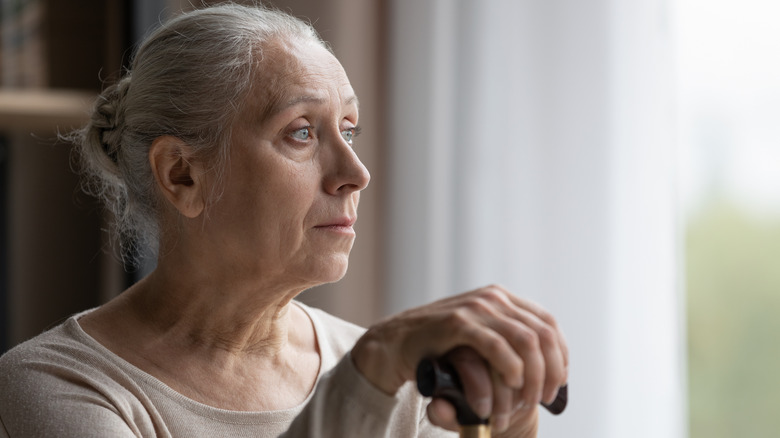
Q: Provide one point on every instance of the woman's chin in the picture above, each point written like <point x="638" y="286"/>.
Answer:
<point x="333" y="269"/>
<point x="324" y="270"/>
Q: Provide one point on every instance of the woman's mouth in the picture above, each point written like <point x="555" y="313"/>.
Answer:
<point x="340" y="225"/>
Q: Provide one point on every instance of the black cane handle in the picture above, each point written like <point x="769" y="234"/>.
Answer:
<point x="438" y="378"/>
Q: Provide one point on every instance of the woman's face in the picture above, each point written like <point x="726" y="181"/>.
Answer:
<point x="293" y="180"/>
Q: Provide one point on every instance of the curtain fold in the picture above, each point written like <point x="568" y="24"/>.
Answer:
<point x="530" y="144"/>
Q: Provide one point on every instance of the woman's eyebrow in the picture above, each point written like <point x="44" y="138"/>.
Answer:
<point x="352" y="100"/>
<point x="276" y="103"/>
<point x="304" y="99"/>
<point x="310" y="99"/>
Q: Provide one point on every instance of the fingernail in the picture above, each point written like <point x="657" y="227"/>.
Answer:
<point x="483" y="408"/>
<point x="551" y="396"/>
<point x="520" y="405"/>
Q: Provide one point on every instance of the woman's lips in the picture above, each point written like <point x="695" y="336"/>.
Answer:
<point x="343" y="225"/>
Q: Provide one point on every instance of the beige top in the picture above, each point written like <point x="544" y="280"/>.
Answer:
<point x="63" y="383"/>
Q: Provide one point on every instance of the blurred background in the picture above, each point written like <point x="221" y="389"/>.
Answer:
<point x="615" y="160"/>
<point x="729" y="146"/>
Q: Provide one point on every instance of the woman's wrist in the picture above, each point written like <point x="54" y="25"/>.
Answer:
<point x="369" y="355"/>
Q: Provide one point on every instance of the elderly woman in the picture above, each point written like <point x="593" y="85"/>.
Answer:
<point x="229" y="146"/>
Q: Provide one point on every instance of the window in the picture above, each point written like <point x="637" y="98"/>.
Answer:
<point x="729" y="95"/>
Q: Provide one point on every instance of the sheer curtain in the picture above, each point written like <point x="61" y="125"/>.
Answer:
<point x="531" y="145"/>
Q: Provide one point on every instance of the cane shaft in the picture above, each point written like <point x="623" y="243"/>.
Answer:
<point x="476" y="431"/>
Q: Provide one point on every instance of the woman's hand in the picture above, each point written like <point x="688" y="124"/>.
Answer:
<point x="509" y="353"/>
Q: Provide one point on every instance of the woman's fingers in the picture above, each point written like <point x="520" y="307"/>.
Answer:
<point x="475" y="378"/>
<point x="499" y="351"/>
<point x="555" y="370"/>
<point x="544" y="316"/>
<point x="483" y="389"/>
<point x="527" y="343"/>
<point x="515" y="352"/>
<point x="441" y="413"/>
<point x="536" y="331"/>
<point x="538" y="344"/>
<point x="502" y="403"/>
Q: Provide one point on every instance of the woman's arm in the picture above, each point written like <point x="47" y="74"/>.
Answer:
<point x="346" y="404"/>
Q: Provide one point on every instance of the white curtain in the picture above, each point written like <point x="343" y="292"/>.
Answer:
<point x="531" y="145"/>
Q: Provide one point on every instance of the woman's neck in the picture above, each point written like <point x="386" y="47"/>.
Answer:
<point x="216" y="314"/>
<point x="210" y="343"/>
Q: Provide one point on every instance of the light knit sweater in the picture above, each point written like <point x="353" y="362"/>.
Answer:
<point x="63" y="383"/>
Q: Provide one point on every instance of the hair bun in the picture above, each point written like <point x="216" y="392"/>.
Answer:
<point x="108" y="117"/>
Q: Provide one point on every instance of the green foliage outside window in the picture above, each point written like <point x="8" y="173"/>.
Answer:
<point x="733" y="287"/>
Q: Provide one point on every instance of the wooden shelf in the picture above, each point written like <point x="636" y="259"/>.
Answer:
<point x="42" y="110"/>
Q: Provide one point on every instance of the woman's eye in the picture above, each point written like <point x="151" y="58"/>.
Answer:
<point x="350" y="133"/>
<point x="300" y="134"/>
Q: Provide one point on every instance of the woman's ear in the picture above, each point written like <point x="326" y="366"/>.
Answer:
<point x="179" y="177"/>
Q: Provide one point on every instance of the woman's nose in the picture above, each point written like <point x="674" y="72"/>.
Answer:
<point x="346" y="173"/>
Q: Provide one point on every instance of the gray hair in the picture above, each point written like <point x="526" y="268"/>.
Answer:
<point x="189" y="78"/>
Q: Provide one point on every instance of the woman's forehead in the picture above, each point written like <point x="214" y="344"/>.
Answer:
<point x="301" y="63"/>
<point x="300" y="73"/>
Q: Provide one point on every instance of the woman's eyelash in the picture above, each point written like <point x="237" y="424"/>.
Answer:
<point x="349" y="134"/>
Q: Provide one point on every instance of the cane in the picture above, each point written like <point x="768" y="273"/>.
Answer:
<point x="438" y="378"/>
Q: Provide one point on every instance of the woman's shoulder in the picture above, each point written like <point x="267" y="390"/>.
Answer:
<point x="64" y="383"/>
<point x="56" y="343"/>
<point x="48" y="379"/>
<point x="24" y="366"/>
<point x="55" y="358"/>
